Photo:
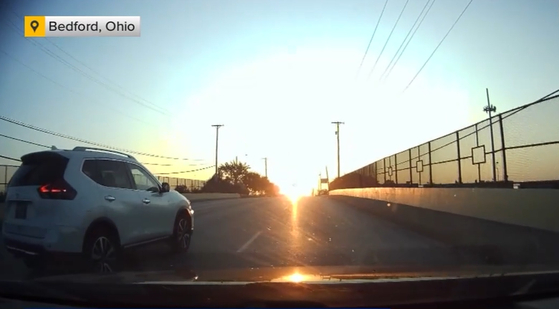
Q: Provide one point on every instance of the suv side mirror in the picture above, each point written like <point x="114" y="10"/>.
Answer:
<point x="165" y="187"/>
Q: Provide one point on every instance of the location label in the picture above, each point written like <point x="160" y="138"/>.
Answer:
<point x="81" y="26"/>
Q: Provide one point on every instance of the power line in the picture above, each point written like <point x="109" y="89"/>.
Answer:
<point x="404" y="41"/>
<point x="411" y="38"/>
<point x="388" y="39"/>
<point x="441" y="42"/>
<point x="37" y="72"/>
<point x="10" y="158"/>
<point x="17" y="29"/>
<point x="371" y="40"/>
<point x="103" y="77"/>
<point x="183" y="172"/>
<point x="67" y="88"/>
<point x="76" y="139"/>
<point x="24" y="141"/>
<point x="107" y="86"/>
<point x="48" y="147"/>
<point x="169" y="173"/>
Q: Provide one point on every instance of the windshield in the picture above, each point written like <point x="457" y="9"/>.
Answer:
<point x="278" y="140"/>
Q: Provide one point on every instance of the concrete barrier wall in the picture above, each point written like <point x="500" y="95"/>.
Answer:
<point x="536" y="208"/>
<point x="210" y="196"/>
<point x="503" y="226"/>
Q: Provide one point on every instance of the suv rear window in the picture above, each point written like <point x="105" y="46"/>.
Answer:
<point x="38" y="169"/>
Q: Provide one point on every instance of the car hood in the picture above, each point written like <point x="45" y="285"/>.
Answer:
<point x="292" y="286"/>
<point x="308" y="275"/>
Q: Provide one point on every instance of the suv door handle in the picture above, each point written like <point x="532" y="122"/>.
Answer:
<point x="110" y="198"/>
<point x="146" y="201"/>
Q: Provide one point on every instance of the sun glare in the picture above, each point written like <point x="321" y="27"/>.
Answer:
<point x="293" y="193"/>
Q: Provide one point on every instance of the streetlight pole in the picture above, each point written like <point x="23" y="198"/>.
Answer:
<point x="216" y="126"/>
<point x="491" y="109"/>
<point x="265" y="167"/>
<point x="337" y="123"/>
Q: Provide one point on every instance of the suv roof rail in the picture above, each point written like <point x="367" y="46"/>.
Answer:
<point x="104" y="150"/>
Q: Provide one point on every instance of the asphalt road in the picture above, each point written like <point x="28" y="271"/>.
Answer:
<point x="274" y="232"/>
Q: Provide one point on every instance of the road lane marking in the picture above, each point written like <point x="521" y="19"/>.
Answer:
<point x="252" y="239"/>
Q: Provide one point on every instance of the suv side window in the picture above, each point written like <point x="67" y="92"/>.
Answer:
<point x="108" y="173"/>
<point x="142" y="179"/>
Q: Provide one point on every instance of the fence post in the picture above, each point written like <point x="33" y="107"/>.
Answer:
<point x="478" y="165"/>
<point x="492" y="148"/>
<point x="430" y="166"/>
<point x="411" y="172"/>
<point x="459" y="161"/>
<point x="419" y="158"/>
<point x="396" y="167"/>
<point x="504" y="149"/>
<point x="384" y="167"/>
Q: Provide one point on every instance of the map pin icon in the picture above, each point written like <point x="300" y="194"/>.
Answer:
<point x="34" y="25"/>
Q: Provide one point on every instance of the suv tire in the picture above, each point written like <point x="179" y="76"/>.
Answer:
<point x="102" y="250"/>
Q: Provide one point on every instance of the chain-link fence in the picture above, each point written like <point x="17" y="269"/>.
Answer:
<point x="517" y="147"/>
<point x="191" y="184"/>
<point x="7" y="171"/>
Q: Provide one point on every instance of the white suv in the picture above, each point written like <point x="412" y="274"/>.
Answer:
<point x="92" y="203"/>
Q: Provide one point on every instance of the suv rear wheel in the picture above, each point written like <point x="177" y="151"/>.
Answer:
<point x="102" y="250"/>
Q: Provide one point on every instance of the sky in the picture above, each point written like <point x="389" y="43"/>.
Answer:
<point x="275" y="74"/>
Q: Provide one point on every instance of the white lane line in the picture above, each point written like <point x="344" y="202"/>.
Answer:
<point x="252" y="239"/>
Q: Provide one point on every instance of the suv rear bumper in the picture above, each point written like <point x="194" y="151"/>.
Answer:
<point x="25" y="250"/>
<point x="56" y="239"/>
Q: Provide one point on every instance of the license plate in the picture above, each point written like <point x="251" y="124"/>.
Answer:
<point x="21" y="210"/>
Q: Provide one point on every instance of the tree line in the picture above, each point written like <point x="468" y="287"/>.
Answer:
<point x="235" y="177"/>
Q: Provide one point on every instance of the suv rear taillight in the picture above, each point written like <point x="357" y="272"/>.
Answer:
<point x="58" y="190"/>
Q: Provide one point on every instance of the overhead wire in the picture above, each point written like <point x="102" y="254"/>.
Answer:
<point x="76" y="139"/>
<point x="371" y="40"/>
<point x="49" y="147"/>
<point x="92" y="78"/>
<point x="168" y="173"/>
<point x="10" y="158"/>
<point x="440" y="43"/>
<point x="49" y="52"/>
<point x="189" y="171"/>
<point x="100" y="75"/>
<point x="127" y="115"/>
<point x="405" y="39"/>
<point x="408" y="42"/>
<point x="388" y="39"/>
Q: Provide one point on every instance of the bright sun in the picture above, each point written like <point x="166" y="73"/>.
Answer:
<point x="292" y="193"/>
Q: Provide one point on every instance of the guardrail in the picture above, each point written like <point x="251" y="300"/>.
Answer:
<point x="210" y="196"/>
<point x="516" y="146"/>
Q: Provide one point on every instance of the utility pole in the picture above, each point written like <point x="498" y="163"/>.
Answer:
<point x="265" y="167"/>
<point x="216" y="126"/>
<point x="337" y="123"/>
<point x="489" y="109"/>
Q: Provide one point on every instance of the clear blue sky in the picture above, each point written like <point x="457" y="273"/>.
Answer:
<point x="276" y="73"/>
